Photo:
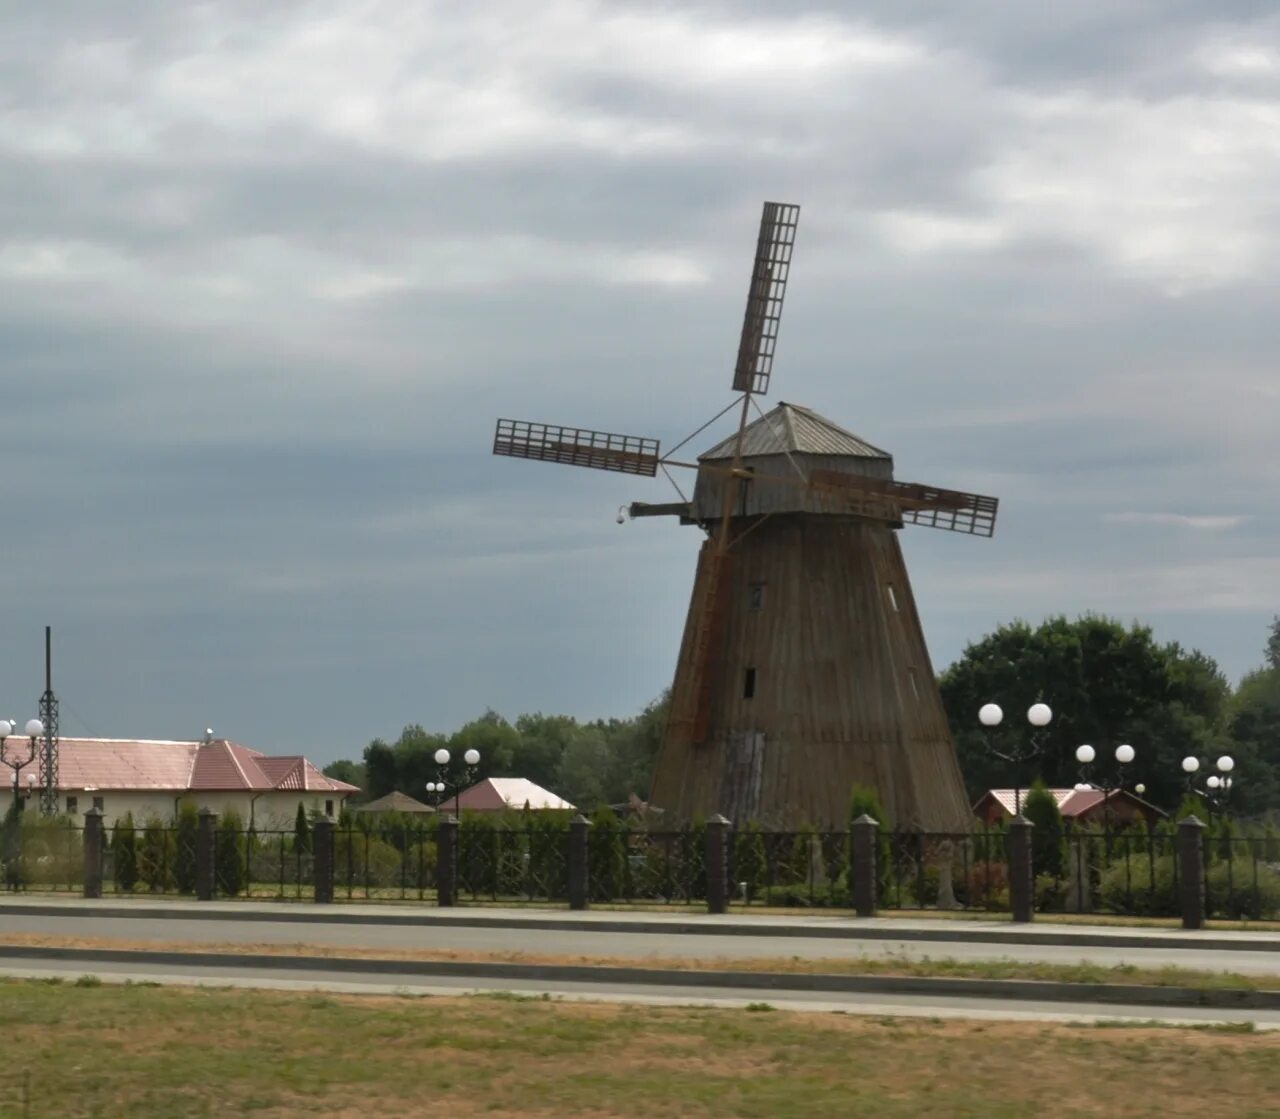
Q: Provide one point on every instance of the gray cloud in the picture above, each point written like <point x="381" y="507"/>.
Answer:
<point x="266" y="280"/>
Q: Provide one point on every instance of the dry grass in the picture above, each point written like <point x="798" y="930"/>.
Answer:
<point x="161" y="1053"/>
<point x="1167" y="976"/>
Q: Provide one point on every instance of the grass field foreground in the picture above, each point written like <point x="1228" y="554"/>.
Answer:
<point x="159" y="1053"/>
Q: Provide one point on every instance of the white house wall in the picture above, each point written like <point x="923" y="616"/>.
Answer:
<point x="271" y="811"/>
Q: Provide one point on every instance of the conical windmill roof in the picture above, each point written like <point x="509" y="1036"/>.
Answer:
<point x="794" y="429"/>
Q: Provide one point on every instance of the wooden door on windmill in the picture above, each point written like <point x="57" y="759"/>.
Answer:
<point x="741" y="776"/>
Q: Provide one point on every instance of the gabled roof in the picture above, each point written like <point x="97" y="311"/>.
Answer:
<point x="1071" y="802"/>
<point x="794" y="429"/>
<point x="496" y="793"/>
<point x="395" y="802"/>
<point x="173" y="766"/>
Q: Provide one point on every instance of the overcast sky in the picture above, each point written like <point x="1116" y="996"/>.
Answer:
<point x="269" y="273"/>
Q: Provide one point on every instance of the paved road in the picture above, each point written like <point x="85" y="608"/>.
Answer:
<point x="590" y="942"/>
<point x="887" y="1005"/>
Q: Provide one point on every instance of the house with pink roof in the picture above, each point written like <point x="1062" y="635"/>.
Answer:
<point x="1085" y="806"/>
<point x="153" y="777"/>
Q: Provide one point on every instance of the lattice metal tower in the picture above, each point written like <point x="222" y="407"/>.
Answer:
<point x="49" y="748"/>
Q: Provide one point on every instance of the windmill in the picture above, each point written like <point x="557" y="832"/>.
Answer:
<point x="803" y="668"/>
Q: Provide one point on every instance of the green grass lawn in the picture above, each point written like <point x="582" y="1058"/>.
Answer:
<point x="158" y="1053"/>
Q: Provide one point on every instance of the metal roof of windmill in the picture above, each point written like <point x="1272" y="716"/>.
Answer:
<point x="794" y="429"/>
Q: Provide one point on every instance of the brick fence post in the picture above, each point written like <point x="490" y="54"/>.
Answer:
<point x="206" y="882"/>
<point x="865" y="831"/>
<point x="717" y="865"/>
<point x="93" y="837"/>
<point x="322" y="861"/>
<point x="579" y="873"/>
<point x="447" y="861"/>
<point x="1191" y="872"/>
<point x="1022" y="872"/>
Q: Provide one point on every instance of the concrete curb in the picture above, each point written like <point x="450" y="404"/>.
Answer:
<point x="1111" y="994"/>
<point x="854" y="929"/>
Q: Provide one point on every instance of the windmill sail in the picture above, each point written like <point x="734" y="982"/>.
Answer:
<point x="577" y="446"/>
<point x="910" y="502"/>
<point x="764" y="298"/>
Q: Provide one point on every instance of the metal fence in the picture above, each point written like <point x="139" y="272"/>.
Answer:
<point x="1133" y="872"/>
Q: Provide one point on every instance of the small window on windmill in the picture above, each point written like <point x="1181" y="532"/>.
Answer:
<point x="915" y="688"/>
<point x="893" y="598"/>
<point x="749" y="684"/>
<point x="755" y="596"/>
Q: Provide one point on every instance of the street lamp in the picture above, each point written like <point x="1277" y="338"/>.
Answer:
<point x="1086" y="755"/>
<point x="440" y="787"/>
<point x="1217" y="785"/>
<point x="1039" y="715"/>
<point x="34" y="729"/>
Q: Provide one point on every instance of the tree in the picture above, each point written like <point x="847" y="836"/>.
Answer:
<point x="1273" y="644"/>
<point x="1254" y="724"/>
<point x="380" y="769"/>
<point x="544" y="742"/>
<point x="412" y="762"/>
<point x="124" y="854"/>
<point x="1106" y="683"/>
<point x="351" y="772"/>
<point x="230" y="853"/>
<point x="1047" y="853"/>
<point x="582" y="772"/>
<point x="496" y="739"/>
<point x="301" y="830"/>
<point x="184" y="855"/>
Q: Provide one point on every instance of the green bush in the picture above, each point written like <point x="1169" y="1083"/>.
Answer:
<point x="988" y="886"/>
<point x="361" y="861"/>
<point x="1125" y="886"/>
<point x="1050" y="893"/>
<point x="184" y="855"/>
<point x="1243" y="889"/>
<point x="1048" y="852"/>
<point x="155" y="856"/>
<point x="45" y="851"/>
<point x="606" y="855"/>
<point x="124" y="853"/>
<point x="229" y="854"/>
<point x="301" y="830"/>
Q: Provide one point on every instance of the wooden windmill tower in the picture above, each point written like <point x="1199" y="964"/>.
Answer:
<point x="803" y="669"/>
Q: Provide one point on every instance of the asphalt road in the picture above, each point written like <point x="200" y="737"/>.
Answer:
<point x="589" y="942"/>
<point x="877" y="1005"/>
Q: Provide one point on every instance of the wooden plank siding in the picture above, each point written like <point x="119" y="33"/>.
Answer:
<point x="833" y="701"/>
<point x="780" y="489"/>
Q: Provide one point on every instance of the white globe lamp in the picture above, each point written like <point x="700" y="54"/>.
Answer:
<point x="1039" y="714"/>
<point x="990" y="715"/>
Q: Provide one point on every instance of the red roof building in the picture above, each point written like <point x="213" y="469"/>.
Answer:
<point x="498" y="794"/>
<point x="149" y="777"/>
<point x="1084" y="806"/>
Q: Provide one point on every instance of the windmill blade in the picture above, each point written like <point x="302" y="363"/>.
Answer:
<point x="911" y="502"/>
<point x="577" y="446"/>
<point x="764" y="298"/>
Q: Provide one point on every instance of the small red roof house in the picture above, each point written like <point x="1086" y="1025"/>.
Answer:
<point x="396" y="802"/>
<point x="151" y="778"/>
<point x="500" y="794"/>
<point x="1077" y="806"/>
